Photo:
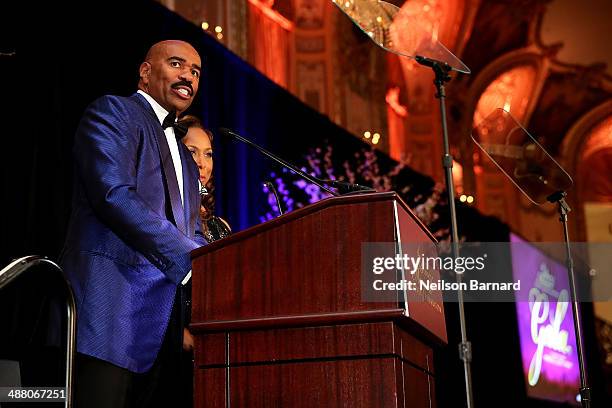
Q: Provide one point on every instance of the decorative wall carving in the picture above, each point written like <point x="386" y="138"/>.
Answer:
<point x="311" y="87"/>
<point x="310" y="14"/>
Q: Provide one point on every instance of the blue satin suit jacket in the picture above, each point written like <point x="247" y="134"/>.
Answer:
<point x="129" y="236"/>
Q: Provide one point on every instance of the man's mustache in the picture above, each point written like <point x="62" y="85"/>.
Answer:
<point x="183" y="83"/>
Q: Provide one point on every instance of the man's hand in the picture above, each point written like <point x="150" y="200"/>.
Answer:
<point x="187" y="340"/>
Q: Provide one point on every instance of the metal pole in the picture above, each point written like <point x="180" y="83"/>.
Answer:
<point x="465" y="347"/>
<point x="70" y="345"/>
<point x="16" y="268"/>
<point x="563" y="207"/>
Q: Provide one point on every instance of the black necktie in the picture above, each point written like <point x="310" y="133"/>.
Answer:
<point x="180" y="130"/>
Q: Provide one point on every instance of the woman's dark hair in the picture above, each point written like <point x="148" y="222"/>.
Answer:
<point x="207" y="200"/>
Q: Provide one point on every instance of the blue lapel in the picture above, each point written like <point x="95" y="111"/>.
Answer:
<point x="166" y="159"/>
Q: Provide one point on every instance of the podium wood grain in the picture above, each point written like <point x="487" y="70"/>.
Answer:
<point x="278" y="317"/>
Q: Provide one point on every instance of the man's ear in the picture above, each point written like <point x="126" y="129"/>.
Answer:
<point x="145" y="72"/>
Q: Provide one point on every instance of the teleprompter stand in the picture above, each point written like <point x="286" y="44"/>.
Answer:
<point x="442" y="75"/>
<point x="563" y="208"/>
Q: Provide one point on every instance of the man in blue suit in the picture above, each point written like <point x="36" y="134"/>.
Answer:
<point x="134" y="222"/>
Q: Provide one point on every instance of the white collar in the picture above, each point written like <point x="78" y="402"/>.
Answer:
<point x="160" y="112"/>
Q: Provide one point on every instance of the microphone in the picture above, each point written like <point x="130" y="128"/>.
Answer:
<point x="346" y="187"/>
<point x="277" y="159"/>
<point x="271" y="187"/>
<point x="202" y="188"/>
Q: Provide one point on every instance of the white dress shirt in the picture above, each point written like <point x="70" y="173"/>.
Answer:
<point x="161" y="114"/>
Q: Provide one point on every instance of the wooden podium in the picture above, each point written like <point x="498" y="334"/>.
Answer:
<point x="279" y="321"/>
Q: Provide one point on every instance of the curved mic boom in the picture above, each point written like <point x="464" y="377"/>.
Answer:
<point x="277" y="159"/>
<point x="271" y="187"/>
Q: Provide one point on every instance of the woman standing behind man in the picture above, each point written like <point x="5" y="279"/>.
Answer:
<point x="199" y="142"/>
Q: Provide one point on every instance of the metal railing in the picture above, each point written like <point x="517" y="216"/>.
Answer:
<point x="12" y="271"/>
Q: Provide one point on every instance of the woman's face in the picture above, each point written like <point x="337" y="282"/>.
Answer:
<point x="198" y="143"/>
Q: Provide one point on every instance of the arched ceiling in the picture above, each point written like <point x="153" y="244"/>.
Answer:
<point x="584" y="29"/>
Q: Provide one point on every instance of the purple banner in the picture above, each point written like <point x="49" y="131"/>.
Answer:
<point x="546" y="325"/>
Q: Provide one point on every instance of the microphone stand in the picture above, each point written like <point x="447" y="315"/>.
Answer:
<point x="441" y="71"/>
<point x="563" y="209"/>
<point x="271" y="187"/>
<point x="342" y="186"/>
<point x="346" y="188"/>
<point x="277" y="159"/>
